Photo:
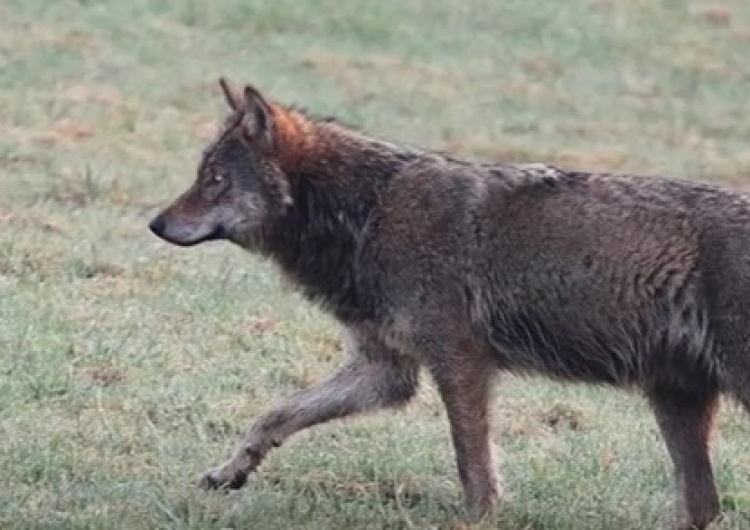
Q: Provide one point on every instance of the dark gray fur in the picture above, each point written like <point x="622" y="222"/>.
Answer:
<point x="470" y="269"/>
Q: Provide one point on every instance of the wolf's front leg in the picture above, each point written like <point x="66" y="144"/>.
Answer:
<point x="464" y="377"/>
<point x="375" y="378"/>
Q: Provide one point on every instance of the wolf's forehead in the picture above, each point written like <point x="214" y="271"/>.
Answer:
<point x="211" y="152"/>
<point x="227" y="127"/>
<point x="210" y="156"/>
<point x="214" y="145"/>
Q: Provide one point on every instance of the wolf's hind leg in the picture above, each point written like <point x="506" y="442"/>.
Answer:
<point x="685" y="419"/>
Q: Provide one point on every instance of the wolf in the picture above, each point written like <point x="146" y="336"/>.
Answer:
<point x="465" y="270"/>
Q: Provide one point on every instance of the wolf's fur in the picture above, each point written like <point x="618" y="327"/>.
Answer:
<point x="468" y="269"/>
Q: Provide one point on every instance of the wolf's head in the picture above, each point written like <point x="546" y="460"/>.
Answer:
<point x="241" y="187"/>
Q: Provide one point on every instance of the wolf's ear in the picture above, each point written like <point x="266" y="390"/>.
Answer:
<point x="232" y="95"/>
<point x="258" y="115"/>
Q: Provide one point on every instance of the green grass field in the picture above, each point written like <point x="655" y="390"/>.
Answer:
<point x="127" y="367"/>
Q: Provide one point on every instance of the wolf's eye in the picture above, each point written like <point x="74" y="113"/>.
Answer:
<point x="217" y="178"/>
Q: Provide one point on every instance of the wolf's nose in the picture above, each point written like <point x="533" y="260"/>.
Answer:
<point x="157" y="225"/>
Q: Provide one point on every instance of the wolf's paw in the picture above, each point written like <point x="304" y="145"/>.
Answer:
<point x="223" y="479"/>
<point x="710" y="518"/>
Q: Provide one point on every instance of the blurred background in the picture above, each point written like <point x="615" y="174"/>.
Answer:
<point x="127" y="367"/>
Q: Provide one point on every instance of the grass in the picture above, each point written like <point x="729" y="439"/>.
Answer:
<point x="127" y="367"/>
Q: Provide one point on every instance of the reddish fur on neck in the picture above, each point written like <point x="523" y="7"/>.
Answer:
<point x="306" y="146"/>
<point x="295" y="137"/>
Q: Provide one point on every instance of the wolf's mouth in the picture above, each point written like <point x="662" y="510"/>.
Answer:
<point x="183" y="237"/>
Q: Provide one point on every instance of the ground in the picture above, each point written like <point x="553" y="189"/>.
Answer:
<point x="128" y="366"/>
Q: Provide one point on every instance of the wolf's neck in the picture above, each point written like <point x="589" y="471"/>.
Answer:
<point x="335" y="184"/>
